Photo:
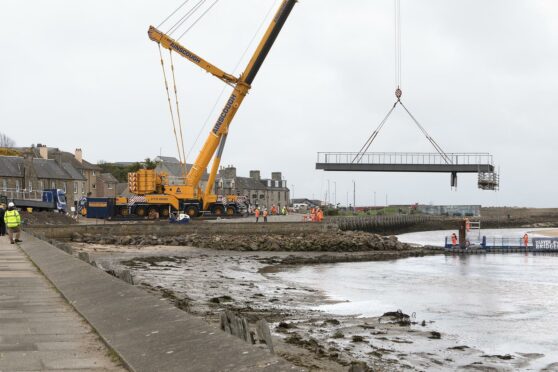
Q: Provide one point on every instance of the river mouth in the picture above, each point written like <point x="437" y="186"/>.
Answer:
<point x="500" y="304"/>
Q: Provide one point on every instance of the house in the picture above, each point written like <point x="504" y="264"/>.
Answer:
<point x="259" y="192"/>
<point x="27" y="176"/>
<point x="175" y="171"/>
<point x="87" y="187"/>
<point x="107" y="186"/>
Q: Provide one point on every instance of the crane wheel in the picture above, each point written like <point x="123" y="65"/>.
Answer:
<point x="231" y="211"/>
<point x="218" y="210"/>
<point x="153" y="213"/>
<point x="123" y="211"/>
<point x="141" y="211"/>
<point x="192" y="211"/>
<point x="164" y="212"/>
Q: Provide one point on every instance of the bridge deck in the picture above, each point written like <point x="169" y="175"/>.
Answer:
<point x="406" y="162"/>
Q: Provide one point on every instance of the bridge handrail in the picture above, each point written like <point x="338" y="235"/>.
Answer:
<point x="403" y="158"/>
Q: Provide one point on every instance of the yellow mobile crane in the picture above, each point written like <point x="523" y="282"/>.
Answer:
<point x="154" y="191"/>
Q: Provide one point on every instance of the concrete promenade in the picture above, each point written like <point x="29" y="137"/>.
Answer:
<point x="145" y="331"/>
<point x="39" y="330"/>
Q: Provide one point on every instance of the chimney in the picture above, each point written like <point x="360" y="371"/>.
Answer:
<point x="255" y="174"/>
<point x="276" y="176"/>
<point x="79" y="155"/>
<point x="229" y="172"/>
<point x="43" y="151"/>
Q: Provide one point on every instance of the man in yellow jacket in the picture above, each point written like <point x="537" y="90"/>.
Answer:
<point x="13" y="221"/>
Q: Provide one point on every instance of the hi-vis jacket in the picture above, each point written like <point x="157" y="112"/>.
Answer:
<point x="12" y="218"/>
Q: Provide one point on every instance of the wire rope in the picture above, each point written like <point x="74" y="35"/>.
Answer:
<point x="199" y="19"/>
<point x="262" y="24"/>
<point x="170" y="104"/>
<point x="182" y="154"/>
<point x="185" y="17"/>
<point x="173" y="13"/>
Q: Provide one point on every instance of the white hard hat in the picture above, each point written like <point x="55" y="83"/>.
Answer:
<point x="11" y="205"/>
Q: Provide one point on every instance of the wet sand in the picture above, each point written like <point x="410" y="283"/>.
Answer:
<point x="205" y="282"/>
<point x="548" y="233"/>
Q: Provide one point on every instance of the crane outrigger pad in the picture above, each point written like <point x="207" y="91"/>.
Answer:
<point x="405" y="162"/>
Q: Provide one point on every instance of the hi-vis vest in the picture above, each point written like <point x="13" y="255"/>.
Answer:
<point x="12" y="218"/>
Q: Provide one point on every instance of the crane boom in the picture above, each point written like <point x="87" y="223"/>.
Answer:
<point x="236" y="98"/>
<point x="169" y="43"/>
<point x="189" y="197"/>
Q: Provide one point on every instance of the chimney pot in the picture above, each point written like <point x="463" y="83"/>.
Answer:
<point x="79" y="155"/>
<point x="43" y="151"/>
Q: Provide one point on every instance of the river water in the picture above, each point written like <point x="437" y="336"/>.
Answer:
<point x="499" y="303"/>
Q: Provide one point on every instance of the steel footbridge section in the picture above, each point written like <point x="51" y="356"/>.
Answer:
<point x="414" y="162"/>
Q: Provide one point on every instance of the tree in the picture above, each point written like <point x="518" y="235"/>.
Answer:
<point x="6" y="141"/>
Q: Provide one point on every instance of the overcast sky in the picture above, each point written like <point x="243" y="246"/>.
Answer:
<point x="480" y="75"/>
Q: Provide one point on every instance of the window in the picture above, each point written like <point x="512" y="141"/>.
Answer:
<point x="53" y="185"/>
<point x="83" y="188"/>
<point x="75" y="187"/>
<point x="262" y="196"/>
<point x="109" y="186"/>
<point x="41" y="185"/>
<point x="93" y="173"/>
<point x="93" y="186"/>
<point x="30" y="186"/>
<point x="5" y="184"/>
<point x="64" y="186"/>
<point x="17" y="185"/>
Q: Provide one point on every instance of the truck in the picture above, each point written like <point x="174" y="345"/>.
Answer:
<point x="152" y="191"/>
<point x="45" y="200"/>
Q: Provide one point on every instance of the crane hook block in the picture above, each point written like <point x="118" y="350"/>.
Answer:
<point x="398" y="93"/>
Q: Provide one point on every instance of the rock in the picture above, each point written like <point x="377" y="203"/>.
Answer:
<point x="359" y="367"/>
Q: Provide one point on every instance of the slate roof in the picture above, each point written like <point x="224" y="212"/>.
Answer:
<point x="247" y="183"/>
<point x="66" y="157"/>
<point x="122" y="189"/>
<point x="175" y="170"/>
<point x="167" y="159"/>
<point x="73" y="172"/>
<point x="50" y="169"/>
<point x="11" y="166"/>
<point x="108" y="178"/>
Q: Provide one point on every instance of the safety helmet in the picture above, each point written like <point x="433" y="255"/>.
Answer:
<point x="11" y="205"/>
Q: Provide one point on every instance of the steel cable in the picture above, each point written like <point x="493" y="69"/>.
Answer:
<point x="185" y="17"/>
<point x="182" y="154"/>
<point x="199" y="19"/>
<point x="170" y="104"/>
<point x="262" y="24"/>
<point x="173" y="13"/>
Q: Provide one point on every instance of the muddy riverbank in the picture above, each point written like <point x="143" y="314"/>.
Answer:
<point x="205" y="281"/>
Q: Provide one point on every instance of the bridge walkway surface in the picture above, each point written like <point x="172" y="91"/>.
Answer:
<point x="39" y="330"/>
<point x="145" y="331"/>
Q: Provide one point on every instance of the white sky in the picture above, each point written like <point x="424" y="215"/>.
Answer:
<point x="480" y="75"/>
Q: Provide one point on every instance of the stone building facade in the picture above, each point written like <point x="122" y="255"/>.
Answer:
<point x="26" y="177"/>
<point x="258" y="191"/>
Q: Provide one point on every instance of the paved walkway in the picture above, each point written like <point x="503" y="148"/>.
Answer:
<point x="146" y="331"/>
<point x="39" y="330"/>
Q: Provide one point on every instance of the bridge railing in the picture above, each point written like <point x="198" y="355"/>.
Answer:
<point x="427" y="158"/>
